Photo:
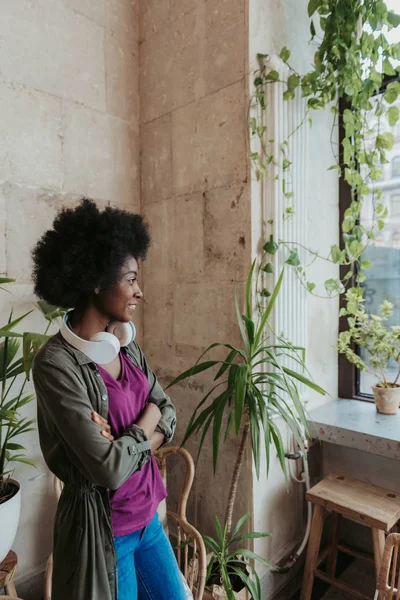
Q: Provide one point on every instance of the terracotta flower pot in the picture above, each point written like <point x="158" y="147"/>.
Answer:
<point x="387" y="400"/>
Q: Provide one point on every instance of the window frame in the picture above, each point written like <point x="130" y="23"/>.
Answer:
<point x="348" y="374"/>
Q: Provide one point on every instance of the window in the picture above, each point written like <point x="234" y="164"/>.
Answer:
<point x="383" y="279"/>
<point x="395" y="206"/>
<point x="396" y="163"/>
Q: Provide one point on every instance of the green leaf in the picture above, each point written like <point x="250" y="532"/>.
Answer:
<point x="240" y="323"/>
<point x="392" y="92"/>
<point x="366" y="264"/>
<point x="12" y="446"/>
<point x="310" y="286"/>
<point x="284" y="54"/>
<point x="384" y="141"/>
<point x="26" y="461"/>
<point x="293" y="82"/>
<point x="348" y="224"/>
<point x="271" y="247"/>
<point x="227" y="362"/>
<point x="246" y="581"/>
<point x="392" y="115"/>
<point x="388" y="68"/>
<point x="239" y="524"/>
<point x="393" y="18"/>
<point x="10" y="334"/>
<point x="11" y="324"/>
<point x="254" y="430"/>
<point x="268" y="268"/>
<point x="193" y="371"/>
<point x="312" y="29"/>
<point x="336" y="253"/>
<point x="250" y="328"/>
<point x="217" y="427"/>
<point x="312" y="7"/>
<point x="272" y="76"/>
<point x="265" y="293"/>
<point x="248" y="290"/>
<point x="211" y="544"/>
<point x="293" y="258"/>
<point x="240" y="394"/>
<point x="305" y="380"/>
<point x="248" y="554"/>
<point x="268" y="310"/>
<point x="332" y="286"/>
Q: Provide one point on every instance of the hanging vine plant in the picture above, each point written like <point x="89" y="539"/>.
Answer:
<point x="352" y="60"/>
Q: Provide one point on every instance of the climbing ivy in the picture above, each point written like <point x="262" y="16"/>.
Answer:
<point x="353" y="58"/>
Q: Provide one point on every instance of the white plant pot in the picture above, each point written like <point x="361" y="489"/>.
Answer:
<point x="387" y="400"/>
<point x="9" y="519"/>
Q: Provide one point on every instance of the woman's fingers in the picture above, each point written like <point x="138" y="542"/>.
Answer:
<point x="106" y="427"/>
<point x="107" y="435"/>
<point x="100" y="420"/>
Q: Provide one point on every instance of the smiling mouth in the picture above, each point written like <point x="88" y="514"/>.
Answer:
<point x="132" y="306"/>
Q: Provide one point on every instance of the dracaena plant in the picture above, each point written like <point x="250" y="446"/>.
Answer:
<point x="12" y="391"/>
<point x="252" y="387"/>
<point x="228" y="565"/>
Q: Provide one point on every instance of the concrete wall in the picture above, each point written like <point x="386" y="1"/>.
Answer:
<point x="69" y="126"/>
<point x="195" y="194"/>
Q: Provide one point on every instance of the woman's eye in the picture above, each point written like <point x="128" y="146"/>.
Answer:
<point x="131" y="281"/>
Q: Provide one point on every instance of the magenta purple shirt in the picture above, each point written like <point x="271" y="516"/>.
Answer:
<point x="135" y="503"/>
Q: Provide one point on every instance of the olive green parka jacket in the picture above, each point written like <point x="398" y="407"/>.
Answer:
<point x="69" y="387"/>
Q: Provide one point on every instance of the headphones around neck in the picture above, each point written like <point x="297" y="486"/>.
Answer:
<point x="104" y="346"/>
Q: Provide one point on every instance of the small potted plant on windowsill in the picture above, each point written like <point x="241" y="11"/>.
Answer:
<point x="382" y="344"/>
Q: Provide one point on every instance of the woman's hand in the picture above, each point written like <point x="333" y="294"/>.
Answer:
<point x="105" y="426"/>
<point x="149" y="418"/>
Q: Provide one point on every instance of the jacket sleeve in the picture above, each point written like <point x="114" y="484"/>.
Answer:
<point x="64" y="401"/>
<point x="167" y="423"/>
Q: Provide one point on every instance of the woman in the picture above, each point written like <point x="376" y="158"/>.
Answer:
<point x="102" y="413"/>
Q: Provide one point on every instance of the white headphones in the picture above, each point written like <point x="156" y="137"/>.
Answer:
<point x="104" y="346"/>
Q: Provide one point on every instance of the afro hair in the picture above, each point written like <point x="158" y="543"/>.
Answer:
<point x="86" y="249"/>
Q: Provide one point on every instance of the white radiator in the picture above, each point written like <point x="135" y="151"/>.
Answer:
<point x="281" y="119"/>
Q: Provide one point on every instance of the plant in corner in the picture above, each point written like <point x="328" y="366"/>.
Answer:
<point x="12" y="423"/>
<point x="252" y="388"/>
<point x="381" y="343"/>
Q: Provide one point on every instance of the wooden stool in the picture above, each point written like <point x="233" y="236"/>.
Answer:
<point x="364" y="503"/>
<point x="7" y="571"/>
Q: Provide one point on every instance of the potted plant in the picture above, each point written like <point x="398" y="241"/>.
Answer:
<point x="12" y="424"/>
<point x="381" y="343"/>
<point x="228" y="565"/>
<point x="254" y="387"/>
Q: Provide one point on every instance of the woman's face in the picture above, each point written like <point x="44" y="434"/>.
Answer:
<point x="120" y="302"/>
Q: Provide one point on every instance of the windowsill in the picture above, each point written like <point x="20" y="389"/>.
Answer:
<point x="356" y="424"/>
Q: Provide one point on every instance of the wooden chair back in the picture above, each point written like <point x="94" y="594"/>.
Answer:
<point x="190" y="547"/>
<point x="388" y="584"/>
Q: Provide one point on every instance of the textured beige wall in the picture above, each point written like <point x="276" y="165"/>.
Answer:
<point x="195" y="194"/>
<point x="69" y="126"/>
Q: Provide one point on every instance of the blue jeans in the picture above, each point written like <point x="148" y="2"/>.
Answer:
<point x="147" y="567"/>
